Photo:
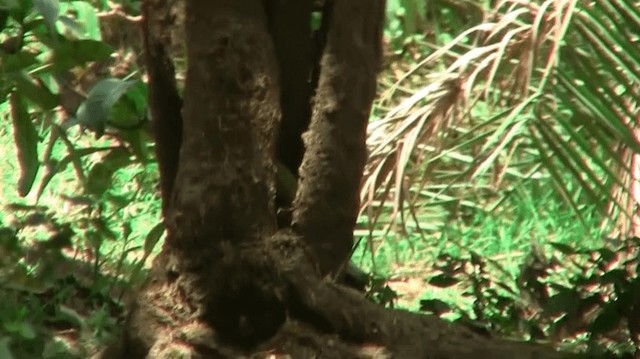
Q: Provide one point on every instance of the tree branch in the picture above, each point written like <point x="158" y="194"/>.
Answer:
<point x="164" y="101"/>
<point x="327" y="201"/>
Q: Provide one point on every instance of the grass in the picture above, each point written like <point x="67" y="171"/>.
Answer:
<point x="532" y="215"/>
<point x="56" y="296"/>
<point x="130" y="198"/>
<point x="505" y="236"/>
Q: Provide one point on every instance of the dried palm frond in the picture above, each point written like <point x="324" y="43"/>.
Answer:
<point x="547" y="89"/>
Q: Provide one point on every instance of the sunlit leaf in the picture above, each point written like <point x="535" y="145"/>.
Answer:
<point x="578" y="60"/>
<point x="87" y="16"/>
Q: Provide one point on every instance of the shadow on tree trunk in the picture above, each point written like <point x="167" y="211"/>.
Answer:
<point x="230" y="281"/>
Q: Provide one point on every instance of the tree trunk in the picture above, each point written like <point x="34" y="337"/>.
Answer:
<point x="228" y="281"/>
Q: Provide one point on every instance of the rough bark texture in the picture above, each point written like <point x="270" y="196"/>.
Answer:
<point x="326" y="205"/>
<point x="164" y="101"/>
<point x="223" y="193"/>
<point x="228" y="283"/>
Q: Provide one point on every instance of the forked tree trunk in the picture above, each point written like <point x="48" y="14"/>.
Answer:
<point x="228" y="280"/>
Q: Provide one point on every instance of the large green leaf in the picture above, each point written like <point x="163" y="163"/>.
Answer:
<point x="26" y="139"/>
<point x="71" y="53"/>
<point x="8" y="4"/>
<point x="12" y="62"/>
<point x="87" y="16"/>
<point x="94" y="112"/>
<point x="49" y="10"/>
<point x="34" y="90"/>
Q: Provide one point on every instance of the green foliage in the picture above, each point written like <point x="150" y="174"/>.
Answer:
<point x="71" y="246"/>
<point x="535" y="97"/>
<point x="500" y="131"/>
<point x="405" y="20"/>
<point x="42" y="288"/>
<point x="508" y="102"/>
<point x="583" y="297"/>
<point x="26" y="138"/>
<point x="429" y="23"/>
<point x="95" y="112"/>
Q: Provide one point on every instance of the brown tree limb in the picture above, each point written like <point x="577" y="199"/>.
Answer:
<point x="164" y="101"/>
<point x="326" y="205"/>
<point x="222" y="199"/>
<point x="225" y="183"/>
<point x="326" y="310"/>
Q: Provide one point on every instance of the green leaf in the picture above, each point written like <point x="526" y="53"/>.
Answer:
<point x="26" y="139"/>
<point x="72" y="25"/>
<point x="5" y="350"/>
<point x="137" y="96"/>
<point x="608" y="318"/>
<point x="138" y="141"/>
<point x="435" y="306"/>
<point x="152" y="239"/>
<point x="443" y="281"/>
<point x="566" y="301"/>
<point x="16" y="61"/>
<point x="37" y="93"/>
<point x="71" y="53"/>
<point x="87" y="15"/>
<point x="130" y="111"/>
<point x="23" y="329"/>
<point x="94" y="112"/>
<point x="49" y="10"/>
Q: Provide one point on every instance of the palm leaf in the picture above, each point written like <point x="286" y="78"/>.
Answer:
<point x="545" y="86"/>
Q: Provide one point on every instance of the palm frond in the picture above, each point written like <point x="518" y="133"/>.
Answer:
<point x="546" y="91"/>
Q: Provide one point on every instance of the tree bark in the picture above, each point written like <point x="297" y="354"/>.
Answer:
<point x="165" y="103"/>
<point x="327" y="202"/>
<point x="228" y="283"/>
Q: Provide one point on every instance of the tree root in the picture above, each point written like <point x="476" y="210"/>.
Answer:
<point x="321" y="318"/>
